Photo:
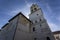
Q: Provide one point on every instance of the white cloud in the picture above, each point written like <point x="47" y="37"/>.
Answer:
<point x="48" y="8"/>
<point x="54" y="27"/>
<point x="25" y="10"/>
<point x="58" y="18"/>
<point x="28" y="4"/>
<point x="47" y="5"/>
<point x="1" y="26"/>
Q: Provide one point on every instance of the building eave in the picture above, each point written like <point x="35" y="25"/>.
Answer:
<point x="20" y="13"/>
<point x="5" y="25"/>
<point x="56" y="32"/>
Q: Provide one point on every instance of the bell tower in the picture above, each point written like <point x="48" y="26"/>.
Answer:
<point x="36" y="13"/>
<point x="40" y="26"/>
<point x="34" y="8"/>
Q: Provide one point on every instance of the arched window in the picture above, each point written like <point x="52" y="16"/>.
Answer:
<point x="35" y="9"/>
<point x="37" y="14"/>
<point x="40" y="19"/>
<point x="33" y="29"/>
<point x="35" y="21"/>
<point x="48" y="38"/>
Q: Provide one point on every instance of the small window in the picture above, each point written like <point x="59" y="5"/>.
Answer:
<point x="40" y="25"/>
<point x="35" y="21"/>
<point x="35" y="38"/>
<point x="35" y="9"/>
<point x="48" y="38"/>
<point x="57" y="37"/>
<point x="37" y="14"/>
<point x="40" y="19"/>
<point x="33" y="28"/>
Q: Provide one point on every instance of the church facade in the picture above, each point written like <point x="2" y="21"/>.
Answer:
<point x="22" y="28"/>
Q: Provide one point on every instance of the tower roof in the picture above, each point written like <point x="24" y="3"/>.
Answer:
<point x="34" y="5"/>
<point x="34" y="8"/>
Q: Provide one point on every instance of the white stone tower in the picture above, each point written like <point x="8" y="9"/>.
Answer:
<point x="40" y="27"/>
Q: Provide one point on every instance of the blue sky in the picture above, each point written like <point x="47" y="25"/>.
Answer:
<point x="50" y="8"/>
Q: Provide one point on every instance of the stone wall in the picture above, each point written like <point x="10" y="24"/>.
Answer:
<point x="7" y="33"/>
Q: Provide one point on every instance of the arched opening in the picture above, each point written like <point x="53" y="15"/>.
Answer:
<point x="33" y="29"/>
<point x="35" y="9"/>
<point x="48" y="38"/>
